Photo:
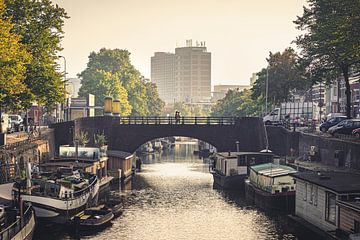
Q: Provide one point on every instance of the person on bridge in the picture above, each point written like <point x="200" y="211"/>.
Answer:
<point x="177" y="117"/>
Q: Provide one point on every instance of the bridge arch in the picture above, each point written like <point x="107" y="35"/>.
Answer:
<point x="127" y="134"/>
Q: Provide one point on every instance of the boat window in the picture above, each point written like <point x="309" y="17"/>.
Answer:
<point x="242" y="161"/>
<point x="305" y="192"/>
<point x="356" y="226"/>
<point x="330" y="213"/>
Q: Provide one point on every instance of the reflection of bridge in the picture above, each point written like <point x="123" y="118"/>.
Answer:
<point x="129" y="133"/>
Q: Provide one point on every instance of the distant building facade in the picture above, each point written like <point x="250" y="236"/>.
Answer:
<point x="72" y="87"/>
<point x="221" y="90"/>
<point x="183" y="76"/>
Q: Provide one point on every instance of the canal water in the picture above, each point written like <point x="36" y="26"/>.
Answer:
<point x="173" y="198"/>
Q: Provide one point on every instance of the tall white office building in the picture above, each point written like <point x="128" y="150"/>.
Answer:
<point x="183" y="76"/>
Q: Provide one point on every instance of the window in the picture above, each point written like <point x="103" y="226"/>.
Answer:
<point x="311" y="193"/>
<point x="241" y="161"/>
<point x="315" y="195"/>
<point x="305" y="192"/>
<point x="330" y="211"/>
<point x="356" y="226"/>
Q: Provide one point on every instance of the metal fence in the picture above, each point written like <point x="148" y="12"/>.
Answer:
<point x="180" y="120"/>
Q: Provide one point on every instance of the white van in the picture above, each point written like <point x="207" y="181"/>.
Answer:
<point x="5" y="123"/>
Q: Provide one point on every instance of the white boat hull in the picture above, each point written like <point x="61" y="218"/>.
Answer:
<point x="61" y="210"/>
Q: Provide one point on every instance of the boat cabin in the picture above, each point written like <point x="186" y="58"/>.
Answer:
<point x="237" y="163"/>
<point x="317" y="195"/>
<point x="88" y="159"/>
<point x="349" y="217"/>
<point x="272" y="178"/>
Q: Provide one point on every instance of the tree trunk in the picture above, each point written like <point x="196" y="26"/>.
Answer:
<point x="345" y="71"/>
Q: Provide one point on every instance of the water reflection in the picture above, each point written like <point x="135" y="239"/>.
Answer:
<point x="173" y="198"/>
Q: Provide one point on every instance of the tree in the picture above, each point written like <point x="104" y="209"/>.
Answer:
<point x="40" y="23"/>
<point x="103" y="84"/>
<point x="182" y="108"/>
<point x="331" y="41"/>
<point x="117" y="62"/>
<point x="236" y="104"/>
<point x="284" y="73"/>
<point x="154" y="103"/>
<point x="13" y="59"/>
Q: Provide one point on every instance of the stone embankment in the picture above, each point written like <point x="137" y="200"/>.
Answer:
<point x="320" y="149"/>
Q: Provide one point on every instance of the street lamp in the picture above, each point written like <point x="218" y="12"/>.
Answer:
<point x="63" y="107"/>
<point x="266" y="89"/>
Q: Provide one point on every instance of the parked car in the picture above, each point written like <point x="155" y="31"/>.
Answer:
<point x="331" y="122"/>
<point x="16" y="122"/>
<point x="345" y="126"/>
<point x="356" y="133"/>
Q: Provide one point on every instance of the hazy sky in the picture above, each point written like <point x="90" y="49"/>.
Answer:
<point x="238" y="33"/>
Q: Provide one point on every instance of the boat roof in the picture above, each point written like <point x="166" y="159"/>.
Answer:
<point x="355" y="205"/>
<point x="120" y="154"/>
<point x="272" y="170"/>
<point x="340" y="182"/>
<point x="236" y="154"/>
<point x="66" y="164"/>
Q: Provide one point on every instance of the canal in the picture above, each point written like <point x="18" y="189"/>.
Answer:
<point x="173" y="198"/>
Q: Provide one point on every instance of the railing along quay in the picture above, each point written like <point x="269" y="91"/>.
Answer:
<point x="180" y="121"/>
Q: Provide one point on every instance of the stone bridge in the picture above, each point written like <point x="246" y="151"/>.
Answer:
<point x="129" y="133"/>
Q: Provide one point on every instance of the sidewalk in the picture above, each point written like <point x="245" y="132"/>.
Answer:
<point x="21" y="136"/>
<point x="302" y="165"/>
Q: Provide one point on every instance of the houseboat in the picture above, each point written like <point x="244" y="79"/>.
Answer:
<point x="230" y="169"/>
<point x="89" y="159"/>
<point x="19" y="221"/>
<point x="57" y="196"/>
<point x="271" y="187"/>
<point x="328" y="201"/>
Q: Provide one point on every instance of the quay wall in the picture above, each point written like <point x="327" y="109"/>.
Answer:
<point x="329" y="150"/>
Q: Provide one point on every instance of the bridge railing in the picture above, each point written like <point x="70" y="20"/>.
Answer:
<point x="181" y="120"/>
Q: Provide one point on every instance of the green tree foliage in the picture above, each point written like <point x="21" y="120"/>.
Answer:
<point x="189" y="110"/>
<point x="285" y="73"/>
<point x="154" y="103"/>
<point x="13" y="59"/>
<point x="331" y="40"/>
<point x="104" y="84"/>
<point x="40" y="24"/>
<point x="183" y="108"/>
<point x="237" y="104"/>
<point x="117" y="62"/>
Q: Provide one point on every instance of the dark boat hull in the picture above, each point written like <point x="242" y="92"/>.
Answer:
<point x="235" y="182"/>
<point x="279" y="202"/>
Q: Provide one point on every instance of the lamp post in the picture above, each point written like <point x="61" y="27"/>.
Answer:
<point x="63" y="107"/>
<point x="266" y="90"/>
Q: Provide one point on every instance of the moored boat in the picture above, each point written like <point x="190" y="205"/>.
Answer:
<point x="18" y="218"/>
<point x="271" y="187"/>
<point x="56" y="197"/>
<point x="22" y="227"/>
<point x="94" y="217"/>
<point x="115" y="206"/>
<point x="230" y="169"/>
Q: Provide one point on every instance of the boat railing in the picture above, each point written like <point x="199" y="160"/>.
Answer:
<point x="85" y="190"/>
<point x="179" y="121"/>
<point x="17" y="226"/>
<point x="68" y="196"/>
